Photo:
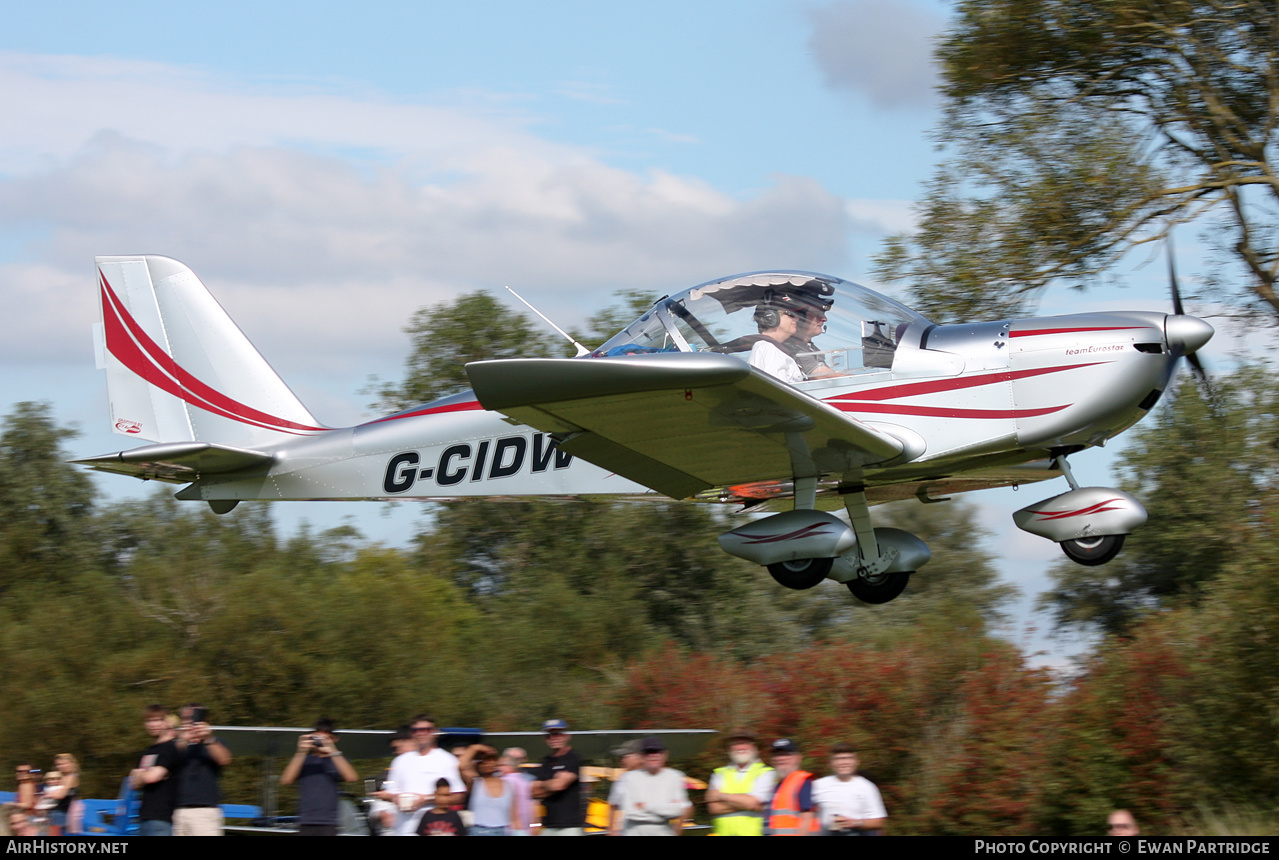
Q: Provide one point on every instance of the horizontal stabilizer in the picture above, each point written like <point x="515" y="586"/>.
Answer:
<point x="178" y="462"/>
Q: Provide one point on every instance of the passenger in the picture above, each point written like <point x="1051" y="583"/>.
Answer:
<point x="778" y="321"/>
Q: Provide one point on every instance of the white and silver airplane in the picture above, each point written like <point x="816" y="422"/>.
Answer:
<point x="787" y="392"/>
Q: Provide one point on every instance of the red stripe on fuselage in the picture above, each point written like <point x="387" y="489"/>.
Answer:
<point x="1035" y="332"/>
<point x="469" y="406"/>
<point x="913" y="389"/>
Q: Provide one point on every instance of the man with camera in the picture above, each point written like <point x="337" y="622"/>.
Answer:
<point x="318" y="767"/>
<point x="198" y="812"/>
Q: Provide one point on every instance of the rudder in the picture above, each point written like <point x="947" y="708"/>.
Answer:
<point x="178" y="368"/>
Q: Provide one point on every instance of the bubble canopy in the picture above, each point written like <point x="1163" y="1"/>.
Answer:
<point x="840" y="327"/>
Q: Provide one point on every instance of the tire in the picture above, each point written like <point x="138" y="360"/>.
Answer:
<point x="1093" y="551"/>
<point x="802" y="573"/>
<point x="879" y="589"/>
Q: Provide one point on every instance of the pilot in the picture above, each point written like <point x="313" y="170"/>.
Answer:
<point x="778" y="320"/>
<point x="801" y="347"/>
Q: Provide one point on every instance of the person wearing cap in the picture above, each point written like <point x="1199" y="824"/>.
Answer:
<point x="740" y="791"/>
<point x="651" y="800"/>
<point x="558" y="784"/>
<point x="791" y="812"/>
<point x="631" y="758"/>
<point x="850" y="804"/>
<point x="630" y="755"/>
<point x="801" y="347"/>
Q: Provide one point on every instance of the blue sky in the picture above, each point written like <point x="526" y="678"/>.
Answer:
<point x="329" y="167"/>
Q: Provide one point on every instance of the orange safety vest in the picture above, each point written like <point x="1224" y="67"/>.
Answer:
<point x="784" y="814"/>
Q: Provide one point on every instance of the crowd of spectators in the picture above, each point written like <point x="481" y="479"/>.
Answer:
<point x="429" y="791"/>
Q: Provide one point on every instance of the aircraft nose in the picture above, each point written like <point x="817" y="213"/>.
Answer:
<point x="1186" y="334"/>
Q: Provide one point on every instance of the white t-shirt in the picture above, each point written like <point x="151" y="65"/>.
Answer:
<point x="858" y="798"/>
<point x="417" y="773"/>
<point x="773" y="360"/>
<point x="650" y="798"/>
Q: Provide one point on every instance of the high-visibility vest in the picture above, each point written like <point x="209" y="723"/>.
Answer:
<point x="784" y="818"/>
<point x="741" y="822"/>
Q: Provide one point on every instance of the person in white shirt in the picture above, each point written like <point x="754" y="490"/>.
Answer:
<point x="778" y="321"/>
<point x="850" y="804"/>
<point x="652" y="799"/>
<point x="411" y="783"/>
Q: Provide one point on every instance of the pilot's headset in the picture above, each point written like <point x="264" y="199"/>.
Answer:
<point x="769" y="313"/>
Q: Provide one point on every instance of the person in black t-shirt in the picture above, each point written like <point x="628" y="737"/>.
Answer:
<point x="156" y="775"/>
<point x="559" y="785"/>
<point x="198" y="812"/>
<point x="441" y="820"/>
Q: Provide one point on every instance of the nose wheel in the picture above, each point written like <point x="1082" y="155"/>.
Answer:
<point x="1093" y="551"/>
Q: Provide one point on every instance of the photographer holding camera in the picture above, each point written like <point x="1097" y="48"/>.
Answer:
<point x="318" y="767"/>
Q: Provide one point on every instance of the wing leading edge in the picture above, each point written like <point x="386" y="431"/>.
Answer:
<point x="680" y="423"/>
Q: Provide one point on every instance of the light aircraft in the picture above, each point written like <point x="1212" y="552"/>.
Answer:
<point x="882" y="404"/>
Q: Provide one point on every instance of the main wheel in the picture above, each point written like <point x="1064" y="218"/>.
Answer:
<point x="801" y="573"/>
<point x="1093" y="551"/>
<point x="881" y="588"/>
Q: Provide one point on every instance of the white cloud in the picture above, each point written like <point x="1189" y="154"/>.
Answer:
<point x="881" y="49"/>
<point x="336" y="254"/>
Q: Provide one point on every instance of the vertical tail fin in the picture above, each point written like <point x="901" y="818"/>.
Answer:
<point x="178" y="369"/>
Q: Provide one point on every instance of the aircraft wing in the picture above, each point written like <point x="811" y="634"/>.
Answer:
<point x="680" y="423"/>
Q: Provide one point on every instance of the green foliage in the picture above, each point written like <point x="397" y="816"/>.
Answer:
<point x="1227" y="721"/>
<point x="1082" y="128"/>
<point x="960" y="583"/>
<point x="628" y="306"/>
<point x="1204" y="469"/>
<point x="46" y="505"/>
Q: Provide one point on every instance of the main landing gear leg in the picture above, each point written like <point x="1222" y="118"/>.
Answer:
<point x="873" y="584"/>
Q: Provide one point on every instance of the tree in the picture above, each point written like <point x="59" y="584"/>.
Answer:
<point x="628" y="306"/>
<point x="959" y="583"/>
<point x="1204" y="468"/>
<point x="1083" y="128"/>
<point x="46" y="504"/>
<point x="446" y="336"/>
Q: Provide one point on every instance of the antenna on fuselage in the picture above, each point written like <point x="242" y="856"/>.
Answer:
<point x="581" y="350"/>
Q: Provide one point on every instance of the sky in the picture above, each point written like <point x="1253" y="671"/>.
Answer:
<point x="327" y="168"/>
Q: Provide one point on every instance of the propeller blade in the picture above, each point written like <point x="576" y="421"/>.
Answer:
<point x="1177" y="307"/>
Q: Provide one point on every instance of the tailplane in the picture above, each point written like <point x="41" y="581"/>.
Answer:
<point x="178" y="368"/>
